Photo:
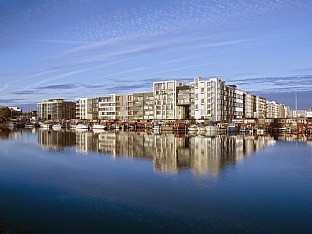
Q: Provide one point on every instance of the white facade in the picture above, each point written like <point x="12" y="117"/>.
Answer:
<point x="209" y="99"/>
<point x="239" y="104"/>
<point x="83" y="106"/>
<point x="165" y="99"/>
<point x="107" y="107"/>
<point x="248" y="105"/>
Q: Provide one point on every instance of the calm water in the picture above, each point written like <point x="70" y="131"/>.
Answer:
<point x="126" y="182"/>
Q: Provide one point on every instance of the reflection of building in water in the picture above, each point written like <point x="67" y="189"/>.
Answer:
<point x="170" y="153"/>
<point x="56" y="140"/>
<point x="6" y="133"/>
<point x="210" y="155"/>
<point x="85" y="141"/>
<point x="204" y="155"/>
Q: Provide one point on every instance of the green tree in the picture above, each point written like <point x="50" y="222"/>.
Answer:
<point x="5" y="112"/>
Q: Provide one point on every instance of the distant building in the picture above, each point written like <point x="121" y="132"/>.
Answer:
<point x="15" y="111"/>
<point x="212" y="100"/>
<point x="56" y="109"/>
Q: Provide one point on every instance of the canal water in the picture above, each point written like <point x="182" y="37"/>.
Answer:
<point x="131" y="182"/>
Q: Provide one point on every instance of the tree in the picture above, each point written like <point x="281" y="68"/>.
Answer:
<point x="5" y="112"/>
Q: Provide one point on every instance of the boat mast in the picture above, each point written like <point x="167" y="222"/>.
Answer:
<point x="296" y="102"/>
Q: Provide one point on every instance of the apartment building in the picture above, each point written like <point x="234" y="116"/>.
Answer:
<point x="107" y="107"/>
<point x="143" y="106"/>
<point x="272" y="109"/>
<point x="165" y="100"/>
<point x="210" y="99"/>
<point x="87" y="108"/>
<point x="124" y="106"/>
<point x="183" y="102"/>
<point x="248" y="105"/>
<point x="262" y="108"/>
<point x="56" y="109"/>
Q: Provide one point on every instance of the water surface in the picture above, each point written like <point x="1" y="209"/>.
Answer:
<point x="129" y="182"/>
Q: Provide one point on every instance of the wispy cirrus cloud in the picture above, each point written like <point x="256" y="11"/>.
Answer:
<point x="58" y="87"/>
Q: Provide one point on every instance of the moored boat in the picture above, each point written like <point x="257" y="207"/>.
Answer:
<point x="192" y="128"/>
<point x="82" y="126"/>
<point x="29" y="125"/>
<point x="98" y="126"/>
<point x="45" y="125"/>
<point x="58" y="126"/>
<point x="232" y="128"/>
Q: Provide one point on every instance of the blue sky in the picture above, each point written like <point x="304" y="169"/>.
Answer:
<point x="71" y="49"/>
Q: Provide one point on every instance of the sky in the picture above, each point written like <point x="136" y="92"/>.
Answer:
<point x="92" y="48"/>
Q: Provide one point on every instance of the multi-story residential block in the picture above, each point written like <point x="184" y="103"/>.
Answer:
<point x="124" y="106"/>
<point x="235" y="103"/>
<point x="87" y="108"/>
<point x="107" y="107"/>
<point x="255" y="106"/>
<point x="143" y="106"/>
<point x="210" y="99"/>
<point x="248" y="105"/>
<point x="56" y="109"/>
<point x="165" y="100"/>
<point x="183" y="102"/>
<point x="272" y="109"/>
<point x="262" y="108"/>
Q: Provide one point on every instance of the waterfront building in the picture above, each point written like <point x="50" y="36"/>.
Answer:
<point x="272" y="109"/>
<point x="248" y="105"/>
<point x="87" y="108"/>
<point x="165" y="100"/>
<point x="262" y="108"/>
<point x="56" y="109"/>
<point x="183" y="102"/>
<point x="235" y="103"/>
<point x="124" y="106"/>
<point x="143" y="106"/>
<point x="107" y="107"/>
<point x="209" y="99"/>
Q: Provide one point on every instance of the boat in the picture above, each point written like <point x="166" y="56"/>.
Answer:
<point x="232" y="128"/>
<point x="98" y="126"/>
<point x="29" y="125"/>
<point x="45" y="125"/>
<point x="58" y="126"/>
<point x="162" y="127"/>
<point x="192" y="128"/>
<point x="82" y="126"/>
<point x="201" y="129"/>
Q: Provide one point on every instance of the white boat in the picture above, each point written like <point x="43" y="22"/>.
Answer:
<point x="193" y="128"/>
<point x="162" y="127"/>
<point x="98" y="126"/>
<point x="58" y="126"/>
<point x="29" y="125"/>
<point x="82" y="126"/>
<point x="201" y="129"/>
<point x="45" y="125"/>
